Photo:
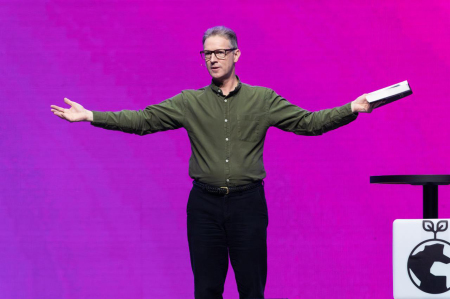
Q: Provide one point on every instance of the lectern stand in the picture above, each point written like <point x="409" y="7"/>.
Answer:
<point x="421" y="247"/>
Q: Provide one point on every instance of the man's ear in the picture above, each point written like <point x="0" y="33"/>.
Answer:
<point x="237" y="54"/>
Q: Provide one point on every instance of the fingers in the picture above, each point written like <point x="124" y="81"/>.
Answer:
<point x="67" y="101"/>
<point x="57" y="108"/>
<point x="59" y="114"/>
<point x="56" y="112"/>
<point x="368" y="108"/>
<point x="59" y="111"/>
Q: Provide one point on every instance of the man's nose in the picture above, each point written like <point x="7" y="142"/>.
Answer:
<point x="213" y="57"/>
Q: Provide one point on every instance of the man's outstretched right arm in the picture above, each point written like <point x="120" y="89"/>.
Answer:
<point x="167" y="115"/>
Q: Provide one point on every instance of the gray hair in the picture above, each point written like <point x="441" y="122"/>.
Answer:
<point x="222" y="31"/>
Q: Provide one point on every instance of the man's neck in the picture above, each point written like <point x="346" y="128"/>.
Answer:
<point x="227" y="85"/>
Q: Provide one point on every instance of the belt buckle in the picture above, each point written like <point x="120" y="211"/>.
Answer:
<point x="228" y="190"/>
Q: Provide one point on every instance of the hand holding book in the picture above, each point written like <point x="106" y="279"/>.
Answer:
<point x="361" y="104"/>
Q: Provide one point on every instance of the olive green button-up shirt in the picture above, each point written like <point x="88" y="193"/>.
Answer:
<point x="226" y="132"/>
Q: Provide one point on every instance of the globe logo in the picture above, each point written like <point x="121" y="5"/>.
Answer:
<point x="429" y="261"/>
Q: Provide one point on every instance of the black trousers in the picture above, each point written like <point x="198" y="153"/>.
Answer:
<point x="234" y="224"/>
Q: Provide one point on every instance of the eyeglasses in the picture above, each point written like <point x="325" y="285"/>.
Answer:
<point x="220" y="53"/>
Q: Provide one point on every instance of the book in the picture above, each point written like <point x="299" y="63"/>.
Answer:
<point x="389" y="94"/>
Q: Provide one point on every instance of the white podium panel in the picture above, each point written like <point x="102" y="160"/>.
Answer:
<point x="421" y="258"/>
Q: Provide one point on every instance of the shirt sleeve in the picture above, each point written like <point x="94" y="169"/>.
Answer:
<point x="167" y="115"/>
<point x="291" y="118"/>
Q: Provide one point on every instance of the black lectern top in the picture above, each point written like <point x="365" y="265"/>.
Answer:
<point x="411" y="179"/>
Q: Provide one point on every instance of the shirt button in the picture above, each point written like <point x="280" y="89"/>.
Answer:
<point x="225" y="101"/>
<point x="226" y="120"/>
<point x="219" y="91"/>
<point x="226" y="139"/>
<point x="226" y="161"/>
<point x="228" y="180"/>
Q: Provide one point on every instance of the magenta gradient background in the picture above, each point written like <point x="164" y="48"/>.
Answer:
<point x="89" y="213"/>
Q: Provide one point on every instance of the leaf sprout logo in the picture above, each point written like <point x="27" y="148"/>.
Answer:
<point x="429" y="262"/>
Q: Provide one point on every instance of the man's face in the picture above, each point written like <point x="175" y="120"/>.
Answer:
<point x="220" y="69"/>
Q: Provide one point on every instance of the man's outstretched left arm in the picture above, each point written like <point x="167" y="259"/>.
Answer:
<point x="291" y="118"/>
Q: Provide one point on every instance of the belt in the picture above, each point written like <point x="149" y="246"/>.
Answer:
<point x="227" y="190"/>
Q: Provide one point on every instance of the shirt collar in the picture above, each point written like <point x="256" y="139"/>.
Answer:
<point x="216" y="88"/>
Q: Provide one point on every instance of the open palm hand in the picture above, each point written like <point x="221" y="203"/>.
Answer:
<point x="76" y="112"/>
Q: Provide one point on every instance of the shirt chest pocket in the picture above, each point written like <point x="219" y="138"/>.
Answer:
<point x="250" y="127"/>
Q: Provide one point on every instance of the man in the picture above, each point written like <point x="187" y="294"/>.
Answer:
<point x="226" y="123"/>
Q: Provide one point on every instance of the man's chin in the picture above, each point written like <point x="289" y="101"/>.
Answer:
<point x="217" y="77"/>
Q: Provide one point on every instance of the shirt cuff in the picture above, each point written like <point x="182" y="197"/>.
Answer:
<point x="99" y="118"/>
<point x="348" y="109"/>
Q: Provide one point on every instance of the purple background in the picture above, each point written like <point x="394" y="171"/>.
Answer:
<point x="89" y="213"/>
